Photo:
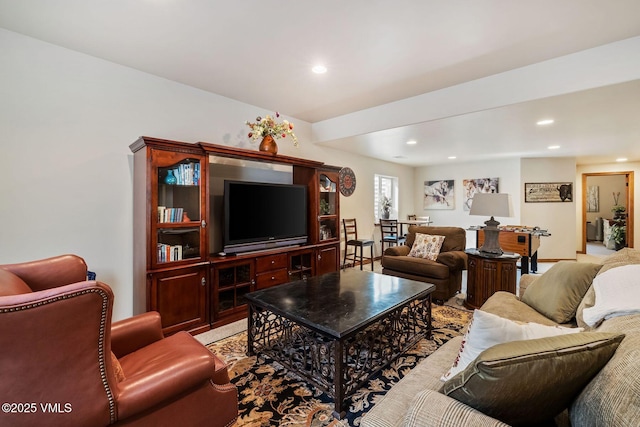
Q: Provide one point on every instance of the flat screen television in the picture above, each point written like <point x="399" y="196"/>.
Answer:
<point x="260" y="216"/>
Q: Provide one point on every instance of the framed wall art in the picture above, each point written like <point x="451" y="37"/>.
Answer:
<point x="439" y="194"/>
<point x="593" y="201"/>
<point x="478" y="185"/>
<point x="544" y="192"/>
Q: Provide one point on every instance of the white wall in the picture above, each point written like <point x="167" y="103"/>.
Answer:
<point x="66" y="122"/>
<point x="508" y="171"/>
<point x="557" y="217"/>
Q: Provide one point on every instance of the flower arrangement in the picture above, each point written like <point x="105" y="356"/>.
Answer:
<point x="268" y="126"/>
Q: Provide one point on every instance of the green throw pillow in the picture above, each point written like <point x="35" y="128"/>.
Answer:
<point x="558" y="292"/>
<point x="531" y="381"/>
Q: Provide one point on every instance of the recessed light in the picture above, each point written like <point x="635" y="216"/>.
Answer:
<point x="544" y="122"/>
<point x="621" y="159"/>
<point x="319" y="69"/>
<point x="412" y="142"/>
<point x="553" y="147"/>
<point x="452" y="157"/>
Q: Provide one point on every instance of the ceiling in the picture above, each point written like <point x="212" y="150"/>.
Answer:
<point x="379" y="53"/>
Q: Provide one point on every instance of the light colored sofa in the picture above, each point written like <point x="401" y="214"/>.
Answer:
<point x="611" y="398"/>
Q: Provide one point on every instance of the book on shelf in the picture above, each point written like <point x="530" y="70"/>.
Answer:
<point x="187" y="174"/>
<point x="168" y="253"/>
<point x="166" y="214"/>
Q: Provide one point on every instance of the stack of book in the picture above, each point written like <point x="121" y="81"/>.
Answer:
<point x="168" y="253"/>
<point x="187" y="174"/>
<point x="166" y="214"/>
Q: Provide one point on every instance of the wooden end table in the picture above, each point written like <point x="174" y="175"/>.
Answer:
<point x="488" y="274"/>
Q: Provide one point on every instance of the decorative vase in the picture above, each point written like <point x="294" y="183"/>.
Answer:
<point x="385" y="214"/>
<point x="170" y="179"/>
<point x="269" y="145"/>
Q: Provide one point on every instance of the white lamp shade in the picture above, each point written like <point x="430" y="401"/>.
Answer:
<point x="491" y="204"/>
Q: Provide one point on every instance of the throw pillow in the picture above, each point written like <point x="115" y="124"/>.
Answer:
<point x="530" y="382"/>
<point x="624" y="256"/>
<point x="426" y="246"/>
<point x="558" y="292"/>
<point x="117" y="368"/>
<point x="487" y="330"/>
<point x="616" y="294"/>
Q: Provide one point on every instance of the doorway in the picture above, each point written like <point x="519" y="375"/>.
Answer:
<point x="600" y="192"/>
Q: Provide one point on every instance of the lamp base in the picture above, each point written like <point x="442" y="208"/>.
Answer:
<point x="491" y="233"/>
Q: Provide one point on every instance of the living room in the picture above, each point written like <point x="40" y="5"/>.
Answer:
<point x="68" y="118"/>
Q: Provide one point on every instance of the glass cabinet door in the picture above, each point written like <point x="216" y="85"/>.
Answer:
<point x="328" y="227"/>
<point x="179" y="202"/>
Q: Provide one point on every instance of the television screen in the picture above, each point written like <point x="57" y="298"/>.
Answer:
<point x="259" y="215"/>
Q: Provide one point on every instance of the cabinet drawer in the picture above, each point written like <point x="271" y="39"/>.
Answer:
<point x="272" y="278"/>
<point x="271" y="262"/>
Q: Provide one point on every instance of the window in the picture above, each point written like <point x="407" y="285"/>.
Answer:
<point x="385" y="187"/>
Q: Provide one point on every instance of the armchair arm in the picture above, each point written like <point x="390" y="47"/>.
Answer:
<point x="455" y="260"/>
<point x="131" y="334"/>
<point x="51" y="272"/>
<point x="431" y="408"/>
<point x="400" y="250"/>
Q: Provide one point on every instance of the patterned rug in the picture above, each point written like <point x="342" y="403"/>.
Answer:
<point x="270" y="395"/>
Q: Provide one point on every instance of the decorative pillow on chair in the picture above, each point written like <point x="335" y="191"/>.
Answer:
<point x="558" y="292"/>
<point x="529" y="382"/>
<point x="426" y="246"/>
<point x="487" y="330"/>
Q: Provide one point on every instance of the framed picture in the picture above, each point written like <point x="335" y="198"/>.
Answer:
<point x="478" y="185"/>
<point x="537" y="192"/>
<point x="439" y="194"/>
<point x="593" y="202"/>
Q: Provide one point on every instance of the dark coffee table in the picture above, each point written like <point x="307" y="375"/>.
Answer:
<point x="339" y="329"/>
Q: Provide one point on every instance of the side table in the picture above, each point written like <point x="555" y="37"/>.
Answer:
<point x="489" y="273"/>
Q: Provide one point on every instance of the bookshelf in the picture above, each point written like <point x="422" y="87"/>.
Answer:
<point x="175" y="272"/>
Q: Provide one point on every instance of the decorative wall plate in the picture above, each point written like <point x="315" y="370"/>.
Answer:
<point x="347" y="182"/>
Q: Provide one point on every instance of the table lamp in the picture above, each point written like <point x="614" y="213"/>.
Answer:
<point x="492" y="204"/>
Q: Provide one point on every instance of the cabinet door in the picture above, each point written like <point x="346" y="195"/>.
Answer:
<point x="180" y="296"/>
<point x="177" y="209"/>
<point x="231" y="282"/>
<point x="327" y="260"/>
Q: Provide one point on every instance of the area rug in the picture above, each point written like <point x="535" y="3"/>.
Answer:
<point x="270" y="395"/>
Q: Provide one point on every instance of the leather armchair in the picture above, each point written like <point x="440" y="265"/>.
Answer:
<point x="63" y="363"/>
<point x="445" y="272"/>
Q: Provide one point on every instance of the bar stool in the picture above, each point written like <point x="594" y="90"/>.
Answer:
<point x="351" y="239"/>
<point x="390" y="234"/>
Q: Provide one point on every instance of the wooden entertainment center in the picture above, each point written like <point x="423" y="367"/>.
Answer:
<point x="177" y="271"/>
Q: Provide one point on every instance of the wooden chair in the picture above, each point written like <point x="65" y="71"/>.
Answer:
<point x="351" y="240"/>
<point x="390" y="233"/>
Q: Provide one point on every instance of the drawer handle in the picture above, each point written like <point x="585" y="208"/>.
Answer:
<point x="273" y="278"/>
<point x="273" y="261"/>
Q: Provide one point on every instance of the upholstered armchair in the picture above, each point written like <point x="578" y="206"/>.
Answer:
<point x="62" y="362"/>
<point x="445" y="272"/>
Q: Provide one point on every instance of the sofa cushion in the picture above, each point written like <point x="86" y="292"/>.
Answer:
<point x="617" y="293"/>
<point x="554" y="370"/>
<point x="10" y="284"/>
<point x="558" y="292"/>
<point x="426" y="246"/>
<point x="624" y="256"/>
<point x="487" y="330"/>
<point x="612" y="397"/>
<point x="508" y="306"/>
<point x="416" y="266"/>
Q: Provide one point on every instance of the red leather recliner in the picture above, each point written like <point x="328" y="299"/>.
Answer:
<point x="63" y="363"/>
